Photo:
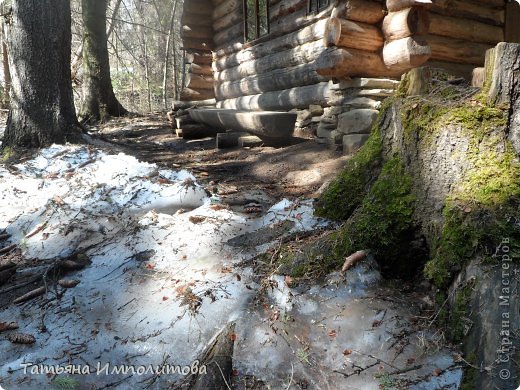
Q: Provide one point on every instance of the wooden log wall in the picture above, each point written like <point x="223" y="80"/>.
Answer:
<point x="197" y="40"/>
<point x="462" y="30"/>
<point x="350" y="38"/>
<point x="365" y="39"/>
<point x="275" y="72"/>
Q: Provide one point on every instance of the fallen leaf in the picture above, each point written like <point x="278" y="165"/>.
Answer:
<point x="226" y="270"/>
<point x="165" y="298"/>
<point x="437" y="372"/>
<point x="233" y="337"/>
<point x="239" y="278"/>
<point x="150" y="266"/>
<point x="217" y="207"/>
<point x="457" y="358"/>
<point x="253" y="210"/>
<point x="196" y="219"/>
<point x="376" y="324"/>
<point x="347" y="352"/>
<point x="58" y="200"/>
<point x="332" y="333"/>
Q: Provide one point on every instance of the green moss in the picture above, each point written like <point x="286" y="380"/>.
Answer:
<point x="421" y="118"/>
<point x="384" y="220"/>
<point x="470" y="373"/>
<point x="459" y="312"/>
<point x="347" y="191"/>
<point x="479" y="211"/>
<point x="7" y="153"/>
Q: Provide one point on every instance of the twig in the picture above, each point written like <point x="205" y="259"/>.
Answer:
<point x="292" y="376"/>
<point x="404" y="370"/>
<point x="7" y="249"/>
<point x="125" y="261"/>
<point x="223" y="377"/>
<point x="20" y="285"/>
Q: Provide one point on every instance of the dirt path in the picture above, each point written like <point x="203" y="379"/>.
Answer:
<point x="298" y="170"/>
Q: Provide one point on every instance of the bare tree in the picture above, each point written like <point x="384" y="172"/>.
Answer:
<point x="99" y="100"/>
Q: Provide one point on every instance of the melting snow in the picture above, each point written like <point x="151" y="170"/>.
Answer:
<point x="156" y="241"/>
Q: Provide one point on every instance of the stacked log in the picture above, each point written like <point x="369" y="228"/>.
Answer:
<point x="274" y="68"/>
<point x="197" y="40"/>
<point x="461" y="31"/>
<point x="182" y="123"/>
<point x="359" y="47"/>
<point x="355" y="35"/>
<point x="404" y="29"/>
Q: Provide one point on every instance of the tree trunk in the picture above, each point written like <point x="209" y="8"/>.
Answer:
<point x="99" y="100"/>
<point x="167" y="56"/>
<point x="42" y="106"/>
<point x="5" y="66"/>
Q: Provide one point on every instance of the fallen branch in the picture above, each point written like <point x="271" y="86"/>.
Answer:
<point x="7" y="249"/>
<point x="36" y="230"/>
<point x="20" y="285"/>
<point x="6" y="272"/>
<point x="30" y="295"/>
<point x="218" y="359"/>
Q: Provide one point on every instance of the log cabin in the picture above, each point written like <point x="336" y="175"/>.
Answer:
<point x="339" y="57"/>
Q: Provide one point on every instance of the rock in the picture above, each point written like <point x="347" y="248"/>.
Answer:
<point x="336" y="136"/>
<point x="368" y="83"/>
<point x="315" y="110"/>
<point x="343" y="102"/>
<point x="357" y="121"/>
<point x="352" y="142"/>
<point x="332" y="111"/>
<point x="332" y="120"/>
<point x="303" y="115"/>
<point x="379" y="92"/>
<point x="324" y="130"/>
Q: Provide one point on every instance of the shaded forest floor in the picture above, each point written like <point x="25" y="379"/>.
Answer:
<point x="296" y="170"/>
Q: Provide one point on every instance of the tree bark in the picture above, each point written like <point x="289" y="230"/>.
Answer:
<point x="42" y="105"/>
<point x="5" y="66"/>
<point x="99" y="100"/>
